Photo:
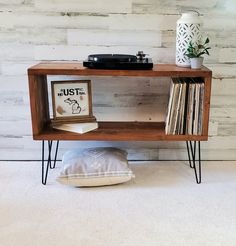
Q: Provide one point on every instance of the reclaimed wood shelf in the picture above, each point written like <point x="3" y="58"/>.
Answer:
<point x="159" y="70"/>
<point x="112" y="131"/>
<point x="119" y="131"/>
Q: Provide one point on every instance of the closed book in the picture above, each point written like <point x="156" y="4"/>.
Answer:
<point x="186" y="108"/>
<point x="201" y="108"/>
<point x="173" y="108"/>
<point x="196" y="109"/>
<point x="190" y="112"/>
<point x="182" y="108"/>
<point x="176" y="111"/>
<point x="77" y="127"/>
<point x="167" y="126"/>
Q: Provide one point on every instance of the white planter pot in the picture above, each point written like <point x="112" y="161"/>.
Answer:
<point x="196" y="63"/>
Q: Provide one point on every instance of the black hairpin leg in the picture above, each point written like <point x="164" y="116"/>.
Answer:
<point x="46" y="164"/>
<point x="191" y="149"/>
<point x="189" y="154"/>
<point x="55" y="156"/>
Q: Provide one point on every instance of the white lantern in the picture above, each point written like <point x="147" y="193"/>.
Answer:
<point x="188" y="29"/>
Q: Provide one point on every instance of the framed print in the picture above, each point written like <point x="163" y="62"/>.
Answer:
<point x="72" y="101"/>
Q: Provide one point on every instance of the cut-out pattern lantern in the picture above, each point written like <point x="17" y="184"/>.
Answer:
<point x="188" y="29"/>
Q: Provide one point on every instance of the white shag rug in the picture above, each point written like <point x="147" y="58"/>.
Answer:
<point x="162" y="206"/>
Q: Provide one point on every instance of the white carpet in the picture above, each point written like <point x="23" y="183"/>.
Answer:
<point x="162" y="206"/>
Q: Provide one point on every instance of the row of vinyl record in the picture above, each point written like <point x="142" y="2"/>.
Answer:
<point x="185" y="109"/>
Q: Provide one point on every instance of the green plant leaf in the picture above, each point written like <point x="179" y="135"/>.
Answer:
<point x="197" y="49"/>
<point x="207" y="41"/>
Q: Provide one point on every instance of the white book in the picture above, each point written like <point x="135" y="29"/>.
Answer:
<point x="182" y="110"/>
<point x="169" y="108"/>
<point x="78" y="127"/>
<point x="196" y="110"/>
<point x="190" y="108"/>
<point x="173" y="108"/>
<point x="201" y="106"/>
<point x="177" y="110"/>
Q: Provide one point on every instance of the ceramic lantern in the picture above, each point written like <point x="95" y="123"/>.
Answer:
<point x="188" y="29"/>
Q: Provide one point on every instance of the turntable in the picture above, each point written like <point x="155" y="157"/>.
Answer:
<point x="119" y="61"/>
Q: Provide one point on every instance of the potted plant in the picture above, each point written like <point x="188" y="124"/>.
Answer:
<point x="195" y="52"/>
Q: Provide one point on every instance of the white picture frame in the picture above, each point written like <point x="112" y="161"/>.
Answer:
<point x="72" y="101"/>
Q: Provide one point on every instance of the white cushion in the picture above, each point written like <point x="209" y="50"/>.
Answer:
<point x="95" y="167"/>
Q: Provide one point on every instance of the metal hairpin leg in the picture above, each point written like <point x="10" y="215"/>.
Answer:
<point x="191" y="149"/>
<point x="46" y="164"/>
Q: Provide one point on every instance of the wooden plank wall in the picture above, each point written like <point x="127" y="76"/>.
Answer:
<point x="35" y="30"/>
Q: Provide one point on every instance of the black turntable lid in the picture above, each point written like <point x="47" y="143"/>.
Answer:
<point x="112" y="58"/>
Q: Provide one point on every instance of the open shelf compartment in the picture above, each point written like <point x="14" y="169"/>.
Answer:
<point x="111" y="131"/>
<point x="119" y="131"/>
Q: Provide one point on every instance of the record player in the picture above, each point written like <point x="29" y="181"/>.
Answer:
<point x="119" y="61"/>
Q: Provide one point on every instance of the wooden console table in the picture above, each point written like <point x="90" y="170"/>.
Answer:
<point x="111" y="131"/>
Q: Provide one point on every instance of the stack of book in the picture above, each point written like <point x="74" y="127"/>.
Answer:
<point x="185" y="109"/>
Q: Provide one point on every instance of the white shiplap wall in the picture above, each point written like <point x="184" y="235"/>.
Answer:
<point x="35" y="30"/>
